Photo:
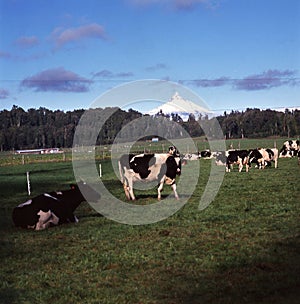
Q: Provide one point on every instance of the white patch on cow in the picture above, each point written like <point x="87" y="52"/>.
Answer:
<point x="48" y="195"/>
<point x="46" y="219"/>
<point x="26" y="203"/>
<point x="155" y="169"/>
<point x="59" y="193"/>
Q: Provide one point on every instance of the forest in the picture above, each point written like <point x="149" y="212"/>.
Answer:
<point x="44" y="128"/>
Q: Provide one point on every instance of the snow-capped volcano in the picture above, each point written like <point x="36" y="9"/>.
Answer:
<point x="180" y="106"/>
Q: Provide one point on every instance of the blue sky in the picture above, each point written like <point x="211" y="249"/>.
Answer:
<point x="234" y="54"/>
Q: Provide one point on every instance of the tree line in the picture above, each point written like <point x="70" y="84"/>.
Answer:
<point x="44" y="128"/>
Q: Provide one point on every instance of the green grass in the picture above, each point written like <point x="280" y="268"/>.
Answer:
<point x="243" y="248"/>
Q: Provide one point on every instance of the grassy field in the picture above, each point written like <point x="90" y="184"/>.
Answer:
<point x="243" y="248"/>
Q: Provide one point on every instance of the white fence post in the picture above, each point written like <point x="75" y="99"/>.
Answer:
<point x="28" y="182"/>
<point x="100" y="170"/>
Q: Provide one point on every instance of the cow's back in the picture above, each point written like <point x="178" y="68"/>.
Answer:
<point x="26" y="214"/>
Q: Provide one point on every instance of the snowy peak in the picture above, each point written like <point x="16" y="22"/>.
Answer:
<point x="180" y="106"/>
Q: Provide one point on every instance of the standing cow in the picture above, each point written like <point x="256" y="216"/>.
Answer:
<point x="233" y="157"/>
<point x="237" y="157"/>
<point x="290" y="148"/>
<point x="269" y="155"/>
<point x="256" y="157"/>
<point x="53" y="208"/>
<point x="160" y="167"/>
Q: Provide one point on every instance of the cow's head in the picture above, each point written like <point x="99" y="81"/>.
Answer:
<point x="173" y="151"/>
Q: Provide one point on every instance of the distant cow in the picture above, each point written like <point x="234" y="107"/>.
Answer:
<point x="269" y="155"/>
<point x="290" y="148"/>
<point x="205" y="154"/>
<point x="53" y="208"/>
<point x="238" y="157"/>
<point x="160" y="167"/>
<point x="221" y="157"/>
<point x="256" y="157"/>
<point x="232" y="157"/>
<point x="191" y="156"/>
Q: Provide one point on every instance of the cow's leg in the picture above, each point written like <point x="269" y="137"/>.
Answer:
<point x="71" y="217"/>
<point x="159" y="189"/>
<point x="54" y="220"/>
<point x="126" y="190"/>
<point x="240" y="167"/>
<point x="128" y="186"/>
<point x="173" y="186"/>
<point x="130" y="190"/>
<point x="43" y="221"/>
<point x="260" y="164"/>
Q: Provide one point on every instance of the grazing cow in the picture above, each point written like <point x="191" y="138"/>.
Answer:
<point x="256" y="157"/>
<point x="269" y="155"/>
<point x="289" y="148"/>
<point x="238" y="157"/>
<point x="53" y="208"/>
<point x="161" y="167"/>
<point x="232" y="157"/>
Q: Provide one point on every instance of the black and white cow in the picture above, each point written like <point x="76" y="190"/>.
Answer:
<point x="191" y="156"/>
<point x="256" y="157"/>
<point x="290" y="148"/>
<point x="221" y="157"/>
<point x="269" y="155"/>
<point x="160" y="167"/>
<point x="237" y="157"/>
<point x="53" y="208"/>
<point x="205" y="154"/>
<point x="232" y="157"/>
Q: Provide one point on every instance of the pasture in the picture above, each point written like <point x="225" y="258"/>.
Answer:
<point x="243" y="248"/>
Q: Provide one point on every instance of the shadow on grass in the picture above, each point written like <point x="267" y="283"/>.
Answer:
<point x="272" y="278"/>
<point x="10" y="295"/>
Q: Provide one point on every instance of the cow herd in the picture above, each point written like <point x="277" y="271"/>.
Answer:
<point x="55" y="208"/>
<point x="260" y="157"/>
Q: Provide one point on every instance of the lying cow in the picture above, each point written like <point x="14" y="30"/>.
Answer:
<point x="53" y="208"/>
<point x="290" y="148"/>
<point x="191" y="156"/>
<point x="205" y="154"/>
<point x="160" y="167"/>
